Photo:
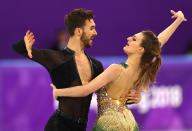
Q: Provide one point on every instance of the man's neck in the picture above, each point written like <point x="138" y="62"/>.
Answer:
<point x="76" y="45"/>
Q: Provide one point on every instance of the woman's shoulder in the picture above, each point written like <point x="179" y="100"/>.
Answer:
<point x="115" y="67"/>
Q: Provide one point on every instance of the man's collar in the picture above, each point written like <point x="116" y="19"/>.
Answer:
<point x="69" y="50"/>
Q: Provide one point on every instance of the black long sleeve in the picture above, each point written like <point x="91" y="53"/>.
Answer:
<point x="47" y="58"/>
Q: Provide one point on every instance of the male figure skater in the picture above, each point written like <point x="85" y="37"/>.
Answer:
<point x="67" y="68"/>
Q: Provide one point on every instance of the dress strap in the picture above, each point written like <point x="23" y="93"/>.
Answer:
<point x="119" y="74"/>
<point x="124" y="64"/>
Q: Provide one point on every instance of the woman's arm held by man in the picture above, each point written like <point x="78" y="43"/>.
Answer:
<point x="110" y="74"/>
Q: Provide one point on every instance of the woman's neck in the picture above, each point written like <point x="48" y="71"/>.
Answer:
<point x="134" y="61"/>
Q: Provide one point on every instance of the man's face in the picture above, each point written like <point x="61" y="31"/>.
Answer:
<point x="89" y="33"/>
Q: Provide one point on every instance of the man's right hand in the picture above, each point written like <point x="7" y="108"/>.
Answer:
<point x="178" y="15"/>
<point x="29" y="41"/>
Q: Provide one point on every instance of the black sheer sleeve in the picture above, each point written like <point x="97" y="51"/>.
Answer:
<point x="45" y="57"/>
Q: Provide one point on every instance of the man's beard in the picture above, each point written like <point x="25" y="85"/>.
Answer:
<point x="87" y="42"/>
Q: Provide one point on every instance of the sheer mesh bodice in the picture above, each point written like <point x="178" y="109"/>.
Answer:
<point x="62" y="68"/>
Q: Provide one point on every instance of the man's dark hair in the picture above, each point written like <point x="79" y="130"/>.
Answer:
<point x="76" y="19"/>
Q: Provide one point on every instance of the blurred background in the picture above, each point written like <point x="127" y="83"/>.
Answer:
<point x="26" y="100"/>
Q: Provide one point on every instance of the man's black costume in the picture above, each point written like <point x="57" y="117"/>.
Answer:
<point x="73" y="111"/>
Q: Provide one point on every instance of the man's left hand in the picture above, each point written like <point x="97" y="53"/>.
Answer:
<point x="133" y="96"/>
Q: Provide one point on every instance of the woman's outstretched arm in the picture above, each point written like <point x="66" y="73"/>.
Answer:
<point x="110" y="74"/>
<point x="167" y="33"/>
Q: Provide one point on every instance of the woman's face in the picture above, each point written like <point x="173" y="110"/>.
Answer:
<point x="133" y="44"/>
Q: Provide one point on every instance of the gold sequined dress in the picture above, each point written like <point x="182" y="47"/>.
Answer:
<point x="113" y="115"/>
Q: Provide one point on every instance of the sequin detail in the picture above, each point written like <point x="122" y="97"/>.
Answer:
<point x="113" y="115"/>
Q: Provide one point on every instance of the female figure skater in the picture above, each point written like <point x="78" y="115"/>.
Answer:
<point x="138" y="72"/>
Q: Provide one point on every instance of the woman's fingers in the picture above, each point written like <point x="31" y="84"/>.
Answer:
<point x="53" y="86"/>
